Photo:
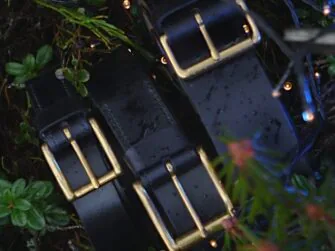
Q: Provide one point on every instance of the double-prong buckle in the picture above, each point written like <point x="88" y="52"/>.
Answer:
<point x="95" y="182"/>
<point x="216" y="56"/>
<point x="203" y="230"/>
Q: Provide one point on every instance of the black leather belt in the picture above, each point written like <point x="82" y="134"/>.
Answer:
<point x="173" y="179"/>
<point x="209" y="48"/>
<point x="136" y="161"/>
<point x="80" y="158"/>
<point x="121" y="157"/>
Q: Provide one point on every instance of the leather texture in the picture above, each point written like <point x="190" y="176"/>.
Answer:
<point x="144" y="135"/>
<point x="104" y="212"/>
<point x="149" y="136"/>
<point x="234" y="98"/>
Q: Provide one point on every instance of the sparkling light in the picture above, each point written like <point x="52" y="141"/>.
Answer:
<point x="308" y="116"/>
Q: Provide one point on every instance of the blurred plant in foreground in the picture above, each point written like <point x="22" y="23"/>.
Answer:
<point x="273" y="214"/>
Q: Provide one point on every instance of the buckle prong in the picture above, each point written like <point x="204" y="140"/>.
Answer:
<point x="189" y="239"/>
<point x="186" y="200"/>
<point x="95" y="183"/>
<point x="214" y="52"/>
<point x="216" y="56"/>
<point x="81" y="157"/>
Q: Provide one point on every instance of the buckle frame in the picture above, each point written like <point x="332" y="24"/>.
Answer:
<point x="95" y="182"/>
<point x="216" y="56"/>
<point x="203" y="230"/>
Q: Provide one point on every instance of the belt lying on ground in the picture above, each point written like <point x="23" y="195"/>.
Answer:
<point x="83" y="163"/>
<point x="209" y="48"/>
<point x="170" y="178"/>
<point x="122" y="159"/>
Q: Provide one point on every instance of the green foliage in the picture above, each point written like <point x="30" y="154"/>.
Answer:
<point x="29" y="205"/>
<point x="331" y="67"/>
<point x="30" y="66"/>
<point x="299" y="213"/>
<point x="26" y="135"/>
<point x="77" y="76"/>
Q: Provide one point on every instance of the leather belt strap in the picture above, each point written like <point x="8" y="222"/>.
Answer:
<point x="209" y="47"/>
<point x="76" y="148"/>
<point x="173" y="181"/>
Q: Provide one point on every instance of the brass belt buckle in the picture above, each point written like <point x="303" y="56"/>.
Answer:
<point x="203" y="230"/>
<point x="216" y="56"/>
<point x="95" y="182"/>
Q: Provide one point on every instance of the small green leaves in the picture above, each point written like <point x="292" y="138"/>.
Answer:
<point x="4" y="184"/>
<point x="26" y="134"/>
<point x="78" y="78"/>
<point x="29" y="62"/>
<point x="22" y="204"/>
<point x="331" y="68"/>
<point x="44" y="56"/>
<point x="7" y="196"/>
<point x="19" y="218"/>
<point x="27" y="206"/>
<point x="57" y="217"/>
<point x="4" y="211"/>
<point x="83" y="75"/>
<point x="15" y="69"/>
<point x="35" y="219"/>
<point x="30" y="66"/>
<point x="18" y="187"/>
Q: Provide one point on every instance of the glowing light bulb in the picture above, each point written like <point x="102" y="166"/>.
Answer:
<point x="288" y="86"/>
<point x="326" y="9"/>
<point x="126" y="4"/>
<point x="317" y="75"/>
<point x="276" y="93"/>
<point x="213" y="244"/>
<point x="308" y="116"/>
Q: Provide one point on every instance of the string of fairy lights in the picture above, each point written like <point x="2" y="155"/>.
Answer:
<point x="304" y="82"/>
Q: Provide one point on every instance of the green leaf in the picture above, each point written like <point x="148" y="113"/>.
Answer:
<point x="49" y="188"/>
<point x="15" y="69"/>
<point x="74" y="62"/>
<point x="29" y="62"/>
<point x="35" y="219"/>
<point x="4" y="211"/>
<point x="19" y="218"/>
<point x="331" y="69"/>
<point x="7" y="196"/>
<point x="19" y="81"/>
<point x="39" y="190"/>
<point x="82" y="90"/>
<point x="227" y="241"/>
<point x="57" y="217"/>
<point x="4" y="184"/>
<point x="18" y="187"/>
<point x="68" y="74"/>
<point x="331" y="59"/>
<point x="44" y="56"/>
<point x="83" y="75"/>
<point x="22" y="204"/>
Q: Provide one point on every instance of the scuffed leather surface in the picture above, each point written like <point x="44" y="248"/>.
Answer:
<point x="149" y="135"/>
<point x="237" y="98"/>
<point x="103" y="212"/>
